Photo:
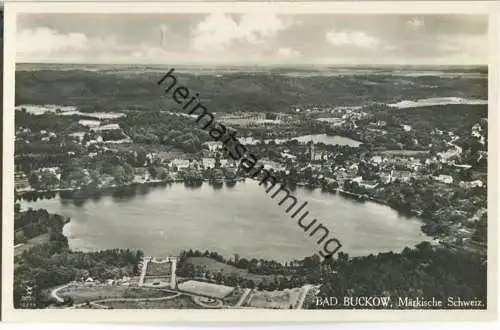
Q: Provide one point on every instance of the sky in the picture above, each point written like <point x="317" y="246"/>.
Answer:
<point x="261" y="38"/>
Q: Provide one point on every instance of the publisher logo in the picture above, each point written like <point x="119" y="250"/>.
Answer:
<point x="27" y="299"/>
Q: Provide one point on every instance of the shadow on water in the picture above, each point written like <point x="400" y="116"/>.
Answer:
<point x="80" y="196"/>
<point x="79" y="202"/>
<point x="193" y="184"/>
<point x="96" y="196"/>
<point x="353" y="198"/>
<point x="230" y="184"/>
<point x="217" y="185"/>
<point x="123" y="194"/>
<point x="143" y="189"/>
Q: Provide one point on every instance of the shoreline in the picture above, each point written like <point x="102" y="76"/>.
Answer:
<point x="422" y="236"/>
<point x="154" y="183"/>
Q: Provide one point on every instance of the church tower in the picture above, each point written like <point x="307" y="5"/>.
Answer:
<point x="312" y="151"/>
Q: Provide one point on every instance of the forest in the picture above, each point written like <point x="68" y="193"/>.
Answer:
<point x="421" y="271"/>
<point x="50" y="264"/>
<point x="269" y="91"/>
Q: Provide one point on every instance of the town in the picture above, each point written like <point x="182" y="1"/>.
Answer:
<point x="81" y="155"/>
<point x="423" y="161"/>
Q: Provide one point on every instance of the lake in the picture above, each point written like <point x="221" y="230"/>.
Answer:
<point x="316" y="138"/>
<point x="241" y="219"/>
<point x="63" y="110"/>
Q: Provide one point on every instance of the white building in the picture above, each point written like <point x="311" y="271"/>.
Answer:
<point x="471" y="184"/>
<point x="180" y="163"/>
<point x="208" y="162"/>
<point x="406" y="128"/>
<point x="377" y="160"/>
<point x="108" y="127"/>
<point x="444" y="178"/>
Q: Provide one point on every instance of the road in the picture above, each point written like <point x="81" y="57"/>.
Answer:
<point x="306" y="288"/>
<point x="98" y="302"/>
<point x="54" y="292"/>
<point x="243" y="297"/>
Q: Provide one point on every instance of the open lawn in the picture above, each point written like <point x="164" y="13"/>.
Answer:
<point x="234" y="297"/>
<point x="158" y="269"/>
<point x="157" y="281"/>
<point x="41" y="239"/>
<point x="205" y="289"/>
<point x="81" y="293"/>
<point x="181" y="302"/>
<point x="214" y="266"/>
<point x="403" y="152"/>
<point x="164" y="152"/>
<point x="274" y="299"/>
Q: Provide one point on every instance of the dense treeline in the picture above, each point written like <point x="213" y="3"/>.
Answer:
<point x="422" y="272"/>
<point x="32" y="223"/>
<point x="265" y="91"/>
<point x="424" y="123"/>
<point x="48" y="121"/>
<point x="50" y="264"/>
<point x="162" y="128"/>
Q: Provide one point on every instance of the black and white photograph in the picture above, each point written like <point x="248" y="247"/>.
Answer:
<point x="248" y="159"/>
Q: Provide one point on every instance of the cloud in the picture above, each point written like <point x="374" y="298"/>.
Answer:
<point x="44" y="40"/>
<point x="415" y="23"/>
<point x="288" y="53"/>
<point x="352" y="38"/>
<point x="43" y="43"/>
<point x="262" y="37"/>
<point x="219" y="31"/>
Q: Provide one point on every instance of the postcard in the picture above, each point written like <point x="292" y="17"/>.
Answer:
<point x="250" y="161"/>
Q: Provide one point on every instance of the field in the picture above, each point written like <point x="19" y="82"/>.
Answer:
<point x="257" y="91"/>
<point x="403" y="152"/>
<point x="215" y="266"/>
<point x="205" y="289"/>
<point x="41" y="239"/>
<point x="181" y="302"/>
<point x="249" y="121"/>
<point x="274" y="299"/>
<point x="81" y="294"/>
<point x="234" y="297"/>
<point x="158" y="269"/>
<point x="157" y="281"/>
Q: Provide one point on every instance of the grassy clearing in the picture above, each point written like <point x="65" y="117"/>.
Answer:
<point x="403" y="152"/>
<point x="181" y="302"/>
<point x="215" y="266"/>
<point x="158" y="269"/>
<point x="274" y="299"/>
<point x="81" y="294"/>
<point x="233" y="298"/>
<point x="41" y="239"/>
<point x="205" y="289"/>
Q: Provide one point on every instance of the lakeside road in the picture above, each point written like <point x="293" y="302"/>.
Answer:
<point x="305" y="291"/>
<point x="54" y="292"/>
<point x="99" y="302"/>
<point x="242" y="298"/>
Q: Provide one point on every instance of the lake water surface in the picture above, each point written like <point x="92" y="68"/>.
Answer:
<point x="242" y="220"/>
<point x="316" y="138"/>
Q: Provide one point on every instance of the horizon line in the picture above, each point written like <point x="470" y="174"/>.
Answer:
<point x="260" y="65"/>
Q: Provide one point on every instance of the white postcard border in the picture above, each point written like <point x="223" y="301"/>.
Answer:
<point x="247" y="315"/>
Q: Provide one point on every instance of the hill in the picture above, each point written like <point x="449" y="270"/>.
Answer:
<point x="267" y="91"/>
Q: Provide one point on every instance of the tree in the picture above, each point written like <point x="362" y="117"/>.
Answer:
<point x="34" y="179"/>
<point x="141" y="156"/>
